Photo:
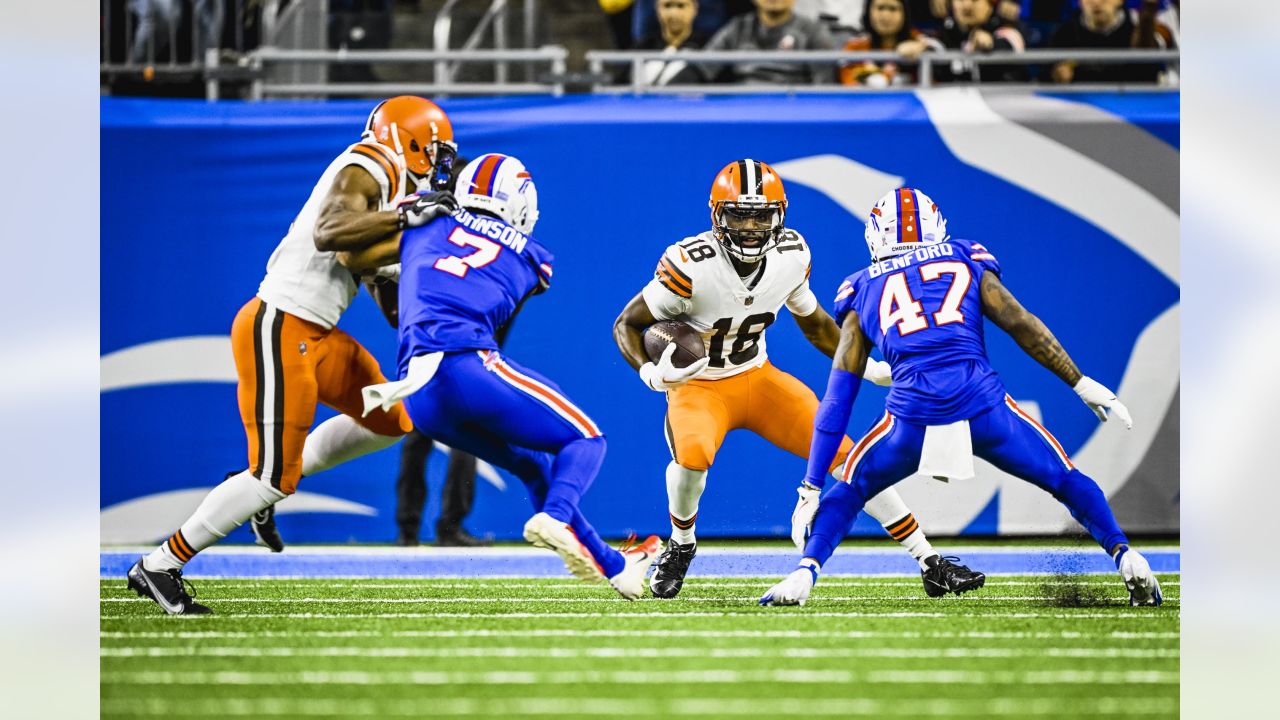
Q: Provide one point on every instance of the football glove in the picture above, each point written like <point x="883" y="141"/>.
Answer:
<point x="878" y="372"/>
<point x="420" y="209"/>
<point x="802" y="516"/>
<point x="1100" y="400"/>
<point x="794" y="588"/>
<point x="664" y="375"/>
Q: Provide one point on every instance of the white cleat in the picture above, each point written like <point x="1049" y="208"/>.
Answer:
<point x="1143" y="587"/>
<point x="794" y="588"/>
<point x="630" y="582"/>
<point x="545" y="531"/>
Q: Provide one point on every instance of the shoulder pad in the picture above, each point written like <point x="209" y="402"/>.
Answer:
<point x="383" y="164"/>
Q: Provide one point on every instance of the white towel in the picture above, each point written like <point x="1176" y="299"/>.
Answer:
<point x="421" y="369"/>
<point x="948" y="452"/>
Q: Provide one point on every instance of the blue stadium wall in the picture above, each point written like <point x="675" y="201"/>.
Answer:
<point x="1076" y="194"/>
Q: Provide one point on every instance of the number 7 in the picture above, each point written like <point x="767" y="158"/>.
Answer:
<point x="486" y="252"/>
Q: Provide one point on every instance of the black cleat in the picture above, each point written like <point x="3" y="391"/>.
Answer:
<point x="459" y="538"/>
<point x="669" y="571"/>
<point x="944" y="576"/>
<point x="167" y="588"/>
<point x="265" y="532"/>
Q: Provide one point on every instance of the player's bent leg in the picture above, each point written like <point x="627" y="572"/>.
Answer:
<point x="1013" y="441"/>
<point x="684" y="489"/>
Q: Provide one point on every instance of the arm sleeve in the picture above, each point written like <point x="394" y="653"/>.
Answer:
<point x="830" y="423"/>
<point x="802" y="302"/>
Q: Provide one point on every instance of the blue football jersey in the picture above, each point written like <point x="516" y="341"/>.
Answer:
<point x="461" y="278"/>
<point x="923" y="310"/>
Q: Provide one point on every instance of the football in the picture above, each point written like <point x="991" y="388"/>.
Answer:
<point x="689" y="345"/>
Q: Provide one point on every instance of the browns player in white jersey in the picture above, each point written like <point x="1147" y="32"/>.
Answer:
<point x="288" y="353"/>
<point x="730" y="283"/>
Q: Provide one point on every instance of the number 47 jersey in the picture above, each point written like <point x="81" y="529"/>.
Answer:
<point x="923" y="310"/>
<point x="696" y="282"/>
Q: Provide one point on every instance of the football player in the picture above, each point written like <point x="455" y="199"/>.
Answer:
<point x="464" y="277"/>
<point x="730" y="283"/>
<point x="288" y="353"/>
<point x="922" y="303"/>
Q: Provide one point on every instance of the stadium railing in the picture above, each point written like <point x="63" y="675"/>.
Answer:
<point x="597" y="60"/>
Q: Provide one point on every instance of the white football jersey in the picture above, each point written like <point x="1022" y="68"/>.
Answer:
<point x="310" y="283"/>
<point x="695" y="282"/>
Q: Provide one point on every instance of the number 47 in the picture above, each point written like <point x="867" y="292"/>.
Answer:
<point x="898" y="307"/>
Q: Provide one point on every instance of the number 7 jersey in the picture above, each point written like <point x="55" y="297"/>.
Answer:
<point x="695" y="282"/>
<point x="923" y="310"/>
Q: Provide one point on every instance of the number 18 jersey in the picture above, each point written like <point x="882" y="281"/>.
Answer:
<point x="695" y="282"/>
<point x="924" y="311"/>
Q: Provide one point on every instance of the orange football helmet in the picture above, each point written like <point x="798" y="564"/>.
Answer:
<point x="748" y="209"/>
<point x="419" y="132"/>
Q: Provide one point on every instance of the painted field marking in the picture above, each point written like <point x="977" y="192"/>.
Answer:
<point x="629" y="677"/>
<point x="1128" y="705"/>
<point x="697" y="582"/>
<point x="1123" y="613"/>
<point x="612" y="600"/>
<point x="710" y="634"/>
<point x="626" y="653"/>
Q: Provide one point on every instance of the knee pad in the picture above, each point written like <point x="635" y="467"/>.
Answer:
<point x="392" y="423"/>
<point x="695" y="452"/>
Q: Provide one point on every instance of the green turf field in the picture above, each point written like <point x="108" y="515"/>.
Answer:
<point x="1023" y="646"/>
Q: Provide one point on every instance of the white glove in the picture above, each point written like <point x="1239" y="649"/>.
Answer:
<point x="418" y="210"/>
<point x="878" y="372"/>
<point x="390" y="272"/>
<point x="1100" y="400"/>
<point x="794" y="588"/>
<point x="802" y="516"/>
<point x="665" y="376"/>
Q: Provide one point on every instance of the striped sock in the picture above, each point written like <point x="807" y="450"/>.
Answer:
<point x="684" y="490"/>
<point x="224" y="509"/>
<point x="906" y="530"/>
<point x="682" y="529"/>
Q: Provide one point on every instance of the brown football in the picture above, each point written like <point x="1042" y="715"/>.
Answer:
<point x="689" y="345"/>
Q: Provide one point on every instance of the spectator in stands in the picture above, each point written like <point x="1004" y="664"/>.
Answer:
<point x="712" y="15"/>
<point x="974" y="27"/>
<point x="618" y="13"/>
<point x="677" y="32"/>
<point x="158" y="20"/>
<point x="888" y="24"/>
<point x="929" y="15"/>
<point x="1107" y="25"/>
<point x="773" y="27"/>
<point x="843" y="18"/>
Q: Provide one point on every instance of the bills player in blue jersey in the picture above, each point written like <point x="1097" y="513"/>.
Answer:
<point x="464" y="276"/>
<point x="922" y="303"/>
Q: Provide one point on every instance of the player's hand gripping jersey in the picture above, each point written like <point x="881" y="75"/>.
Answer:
<point x="696" y="283"/>
<point x="463" y="278"/>
<point x="923" y="311"/>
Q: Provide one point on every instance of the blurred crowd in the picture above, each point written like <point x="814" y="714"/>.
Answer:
<point x="909" y="28"/>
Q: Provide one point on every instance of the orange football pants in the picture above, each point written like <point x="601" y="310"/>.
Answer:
<point x="764" y="400"/>
<point x="285" y="365"/>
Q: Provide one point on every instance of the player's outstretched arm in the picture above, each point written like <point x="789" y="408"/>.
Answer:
<point x="832" y="418"/>
<point x="1036" y="340"/>
<point x="628" y="331"/>
<point x="1026" y="329"/>
<point x="346" y="220"/>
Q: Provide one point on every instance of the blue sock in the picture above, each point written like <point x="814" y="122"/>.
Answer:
<point x="610" y="560"/>
<point x="1088" y="505"/>
<point x="832" y="523"/>
<point x="575" y="468"/>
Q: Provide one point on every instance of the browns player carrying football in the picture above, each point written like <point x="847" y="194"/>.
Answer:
<point x="730" y="283"/>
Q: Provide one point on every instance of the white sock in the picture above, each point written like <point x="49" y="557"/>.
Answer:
<point x="338" y="440"/>
<point x="889" y="510"/>
<point x="684" y="489"/>
<point x="224" y="509"/>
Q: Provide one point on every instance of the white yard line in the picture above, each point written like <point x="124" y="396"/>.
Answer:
<point x="557" y="600"/>
<point x="698" y="677"/>
<point x="1140" y="614"/>
<point x="631" y="653"/>
<point x="1127" y="704"/>
<point x="710" y="634"/>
